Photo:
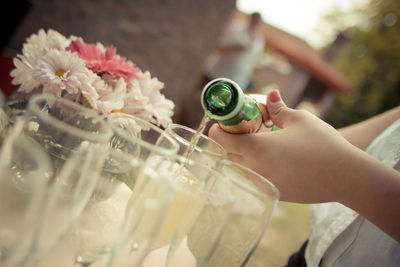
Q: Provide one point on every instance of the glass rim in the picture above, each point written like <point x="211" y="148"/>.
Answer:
<point x="274" y="195"/>
<point x="172" y="126"/>
<point x="165" y="151"/>
<point x="33" y="107"/>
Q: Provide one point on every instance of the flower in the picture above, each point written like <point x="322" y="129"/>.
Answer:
<point x="89" y="74"/>
<point x="60" y="70"/>
<point x="33" y="50"/>
<point x="104" y="60"/>
<point x="112" y="98"/>
<point x="145" y="100"/>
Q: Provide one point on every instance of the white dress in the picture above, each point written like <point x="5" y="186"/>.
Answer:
<point x="341" y="237"/>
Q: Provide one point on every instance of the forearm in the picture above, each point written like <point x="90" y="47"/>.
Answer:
<point x="362" y="134"/>
<point x="373" y="190"/>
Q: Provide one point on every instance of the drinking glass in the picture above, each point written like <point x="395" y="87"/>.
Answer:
<point x="121" y="226"/>
<point x="73" y="187"/>
<point x="24" y="169"/>
<point x="197" y="246"/>
<point x="144" y="214"/>
<point x="96" y="227"/>
<point x="255" y="201"/>
<point x="139" y="138"/>
<point x="46" y="205"/>
<point x="195" y="145"/>
<point x="62" y="126"/>
<point x="191" y="182"/>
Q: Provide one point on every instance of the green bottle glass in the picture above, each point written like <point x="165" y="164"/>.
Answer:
<point x="223" y="100"/>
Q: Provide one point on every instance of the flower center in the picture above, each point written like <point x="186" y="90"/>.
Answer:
<point x="63" y="74"/>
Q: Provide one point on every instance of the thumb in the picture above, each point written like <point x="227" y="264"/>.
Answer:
<point x="278" y="112"/>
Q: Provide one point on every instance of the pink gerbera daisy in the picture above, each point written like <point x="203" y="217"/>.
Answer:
<point x="105" y="61"/>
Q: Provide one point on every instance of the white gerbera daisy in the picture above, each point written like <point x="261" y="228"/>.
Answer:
<point x="112" y="98"/>
<point x="137" y="104"/>
<point x="36" y="46"/>
<point x="144" y="99"/>
<point x="50" y="40"/>
<point x="91" y="87"/>
<point x="61" y="70"/>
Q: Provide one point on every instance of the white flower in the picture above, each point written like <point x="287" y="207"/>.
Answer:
<point x="112" y="97"/>
<point x="136" y="103"/>
<point x="91" y="87"/>
<point x="23" y="75"/>
<point x="145" y="100"/>
<point x="61" y="70"/>
<point x="50" y="40"/>
<point x="162" y="109"/>
<point x="36" y="46"/>
<point x="64" y="67"/>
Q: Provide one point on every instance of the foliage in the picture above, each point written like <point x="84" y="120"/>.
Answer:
<point x="371" y="62"/>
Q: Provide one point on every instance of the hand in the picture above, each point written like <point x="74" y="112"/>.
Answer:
<point x="303" y="159"/>
<point x="310" y="162"/>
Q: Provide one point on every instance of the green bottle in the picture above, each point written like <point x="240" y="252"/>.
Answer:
<point x="223" y="100"/>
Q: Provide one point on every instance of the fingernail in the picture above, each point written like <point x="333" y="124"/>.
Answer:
<point x="274" y="96"/>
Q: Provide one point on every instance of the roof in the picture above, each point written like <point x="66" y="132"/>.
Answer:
<point x="301" y="53"/>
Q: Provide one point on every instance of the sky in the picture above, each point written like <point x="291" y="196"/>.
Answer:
<point x="299" y="17"/>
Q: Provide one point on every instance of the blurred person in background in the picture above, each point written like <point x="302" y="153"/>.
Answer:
<point x="240" y="46"/>
<point x="353" y="172"/>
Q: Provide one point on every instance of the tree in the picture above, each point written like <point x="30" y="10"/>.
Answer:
<point x="371" y="62"/>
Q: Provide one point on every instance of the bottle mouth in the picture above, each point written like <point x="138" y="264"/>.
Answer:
<point x="220" y="97"/>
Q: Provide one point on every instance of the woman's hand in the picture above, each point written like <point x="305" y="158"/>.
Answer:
<point x="299" y="159"/>
<point x="310" y="162"/>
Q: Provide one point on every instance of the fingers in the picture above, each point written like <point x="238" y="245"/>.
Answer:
<point x="278" y="112"/>
<point x="264" y="111"/>
<point x="233" y="143"/>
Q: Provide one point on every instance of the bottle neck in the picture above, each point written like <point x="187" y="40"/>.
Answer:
<point x="222" y="99"/>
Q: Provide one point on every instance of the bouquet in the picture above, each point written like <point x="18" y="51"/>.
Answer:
<point x="90" y="74"/>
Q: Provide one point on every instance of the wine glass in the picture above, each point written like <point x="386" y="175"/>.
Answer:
<point x="76" y="186"/>
<point x="139" y="138"/>
<point x="121" y="227"/>
<point x="191" y="182"/>
<point x="62" y="126"/>
<point x="59" y="196"/>
<point x="96" y="227"/>
<point x="144" y="214"/>
<point x="24" y="168"/>
<point x="256" y="198"/>
<point x="197" y="246"/>
<point x="195" y="145"/>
